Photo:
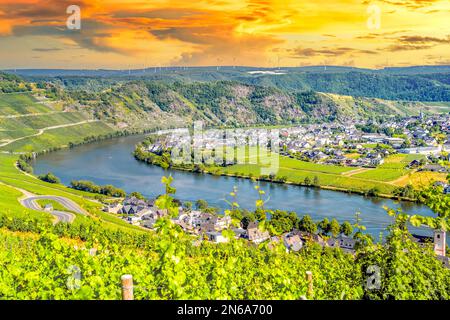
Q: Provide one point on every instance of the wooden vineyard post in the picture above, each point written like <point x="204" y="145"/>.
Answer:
<point x="127" y="287"/>
<point x="309" y="280"/>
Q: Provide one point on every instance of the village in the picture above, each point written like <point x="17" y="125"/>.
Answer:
<point x="351" y="144"/>
<point x="215" y="228"/>
<point x="329" y="142"/>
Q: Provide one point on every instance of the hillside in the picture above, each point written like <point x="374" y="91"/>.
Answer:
<point x="29" y="122"/>
<point x="421" y="83"/>
<point x="142" y="103"/>
<point x="58" y="113"/>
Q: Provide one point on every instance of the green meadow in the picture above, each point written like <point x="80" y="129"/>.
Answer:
<point x="296" y="171"/>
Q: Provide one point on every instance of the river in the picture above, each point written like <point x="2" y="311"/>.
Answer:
<point x="111" y="162"/>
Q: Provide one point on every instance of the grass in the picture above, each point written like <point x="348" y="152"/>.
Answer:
<point x="296" y="171"/>
<point x="330" y="176"/>
<point x="60" y="137"/>
<point x="380" y="174"/>
<point x="20" y="103"/>
<point x="295" y="164"/>
<point x="411" y="157"/>
<point x="14" y="178"/>
<point x="421" y="179"/>
<point x="41" y="121"/>
<point x="55" y="204"/>
<point x="10" y="205"/>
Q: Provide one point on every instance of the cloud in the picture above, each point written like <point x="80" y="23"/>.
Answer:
<point x="208" y="32"/>
<point x="423" y="40"/>
<point x="160" y="13"/>
<point x="217" y="45"/>
<point x="406" y="47"/>
<point x="411" y="4"/>
<point x="300" y="52"/>
<point x="415" y="42"/>
<point x="46" y="49"/>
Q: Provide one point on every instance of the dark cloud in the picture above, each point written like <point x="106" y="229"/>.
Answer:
<point x="44" y="9"/>
<point x="327" y="52"/>
<point x="407" y="47"/>
<point x="409" y="43"/>
<point x="163" y="13"/>
<point x="46" y="49"/>
<point x="423" y="40"/>
<point x="91" y="36"/>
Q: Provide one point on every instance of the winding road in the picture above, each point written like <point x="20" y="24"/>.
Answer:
<point x="29" y="201"/>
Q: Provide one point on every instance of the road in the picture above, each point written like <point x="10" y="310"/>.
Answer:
<point x="29" y="201"/>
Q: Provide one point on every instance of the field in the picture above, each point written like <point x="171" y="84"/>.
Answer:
<point x="13" y="128"/>
<point x="386" y="178"/>
<point x="55" y="205"/>
<point x="382" y="174"/>
<point x="58" y="137"/>
<point x="12" y="208"/>
<point x="20" y="103"/>
<point x="41" y="121"/>
<point x="421" y="179"/>
<point x="21" y="116"/>
<point x="12" y="178"/>
<point x="394" y="167"/>
<point x="333" y="177"/>
<point x="27" y="125"/>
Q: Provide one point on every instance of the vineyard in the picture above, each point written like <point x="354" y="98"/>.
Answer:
<point x="86" y="261"/>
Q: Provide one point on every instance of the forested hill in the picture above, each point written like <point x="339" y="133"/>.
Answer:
<point x="426" y="83"/>
<point x="430" y="87"/>
<point x="224" y="103"/>
<point x="11" y="83"/>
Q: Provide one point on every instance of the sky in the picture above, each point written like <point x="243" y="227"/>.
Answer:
<point x="122" y="34"/>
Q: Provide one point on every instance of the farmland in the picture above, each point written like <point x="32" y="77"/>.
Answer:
<point x="394" y="167"/>
<point x="386" y="178"/>
<point x="27" y="125"/>
<point x="20" y="103"/>
<point x="296" y="171"/>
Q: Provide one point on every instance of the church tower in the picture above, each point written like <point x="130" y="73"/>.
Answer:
<point x="439" y="242"/>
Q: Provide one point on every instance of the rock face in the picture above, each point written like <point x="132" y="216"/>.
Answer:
<point x="139" y="103"/>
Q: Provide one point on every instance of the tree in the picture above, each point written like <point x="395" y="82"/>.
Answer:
<point x="307" y="224"/>
<point x="374" y="192"/>
<point x="307" y="181"/>
<point x="211" y="210"/>
<point x="334" y="228"/>
<point x="324" y="226"/>
<point x="188" y="205"/>
<point x="49" y="177"/>
<point x="137" y="195"/>
<point x="201" y="204"/>
<point x="346" y="229"/>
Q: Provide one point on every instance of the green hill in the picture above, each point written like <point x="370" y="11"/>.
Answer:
<point x="141" y="103"/>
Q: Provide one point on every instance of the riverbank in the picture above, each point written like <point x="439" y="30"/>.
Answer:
<point x="111" y="162"/>
<point x="305" y="178"/>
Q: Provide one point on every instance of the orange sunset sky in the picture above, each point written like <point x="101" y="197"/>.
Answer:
<point x="118" y="34"/>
